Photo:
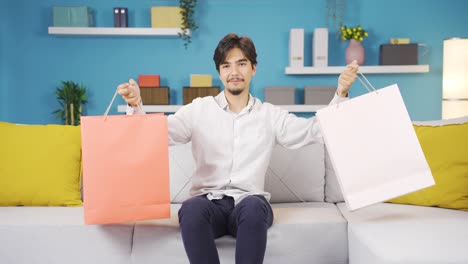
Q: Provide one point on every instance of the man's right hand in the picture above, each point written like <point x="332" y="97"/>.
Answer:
<point x="130" y="92"/>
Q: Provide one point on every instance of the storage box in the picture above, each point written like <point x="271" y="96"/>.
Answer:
<point x="155" y="95"/>
<point x="296" y="47"/>
<point x="201" y="80"/>
<point x="190" y="93"/>
<point x="166" y="17"/>
<point x="280" y="95"/>
<point x="318" y="95"/>
<point x="398" y="54"/>
<point x="72" y="16"/>
<point x="320" y="47"/>
<point x="148" y="80"/>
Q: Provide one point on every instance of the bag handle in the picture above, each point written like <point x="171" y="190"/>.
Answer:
<point x="112" y="102"/>
<point x="363" y="84"/>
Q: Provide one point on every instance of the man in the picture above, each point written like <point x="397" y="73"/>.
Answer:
<point x="232" y="137"/>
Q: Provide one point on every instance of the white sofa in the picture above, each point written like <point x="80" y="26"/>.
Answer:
<point x="311" y="225"/>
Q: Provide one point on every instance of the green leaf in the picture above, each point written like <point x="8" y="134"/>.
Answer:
<point x="70" y="93"/>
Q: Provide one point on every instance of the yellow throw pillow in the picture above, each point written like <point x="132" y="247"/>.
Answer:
<point x="40" y="165"/>
<point x="446" y="150"/>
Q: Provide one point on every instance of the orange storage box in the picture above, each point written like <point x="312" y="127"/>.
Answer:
<point x="148" y="80"/>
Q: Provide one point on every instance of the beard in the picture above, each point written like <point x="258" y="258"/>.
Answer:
<point x="235" y="91"/>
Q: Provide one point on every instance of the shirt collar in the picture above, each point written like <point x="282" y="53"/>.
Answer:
<point x="222" y="102"/>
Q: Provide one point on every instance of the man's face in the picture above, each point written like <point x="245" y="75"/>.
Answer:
<point x="236" y="72"/>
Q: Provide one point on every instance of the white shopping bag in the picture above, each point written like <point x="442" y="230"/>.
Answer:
<point x="373" y="148"/>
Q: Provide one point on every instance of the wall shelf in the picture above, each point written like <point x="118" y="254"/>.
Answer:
<point x="115" y="31"/>
<point x="174" y="108"/>
<point x="386" y="69"/>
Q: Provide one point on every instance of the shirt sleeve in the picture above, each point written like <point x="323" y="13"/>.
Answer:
<point x="180" y="125"/>
<point x="135" y="110"/>
<point x="295" y="132"/>
<point x="338" y="99"/>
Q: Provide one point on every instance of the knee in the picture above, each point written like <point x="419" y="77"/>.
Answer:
<point x="255" y="211"/>
<point x="193" y="211"/>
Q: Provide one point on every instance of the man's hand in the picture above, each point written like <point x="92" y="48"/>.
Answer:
<point x="346" y="79"/>
<point x="130" y="92"/>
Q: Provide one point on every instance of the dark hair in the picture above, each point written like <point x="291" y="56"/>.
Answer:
<point x="231" y="41"/>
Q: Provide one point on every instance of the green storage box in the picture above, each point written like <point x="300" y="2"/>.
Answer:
<point x="72" y="16"/>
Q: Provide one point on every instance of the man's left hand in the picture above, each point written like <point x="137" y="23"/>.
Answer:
<point x="346" y="79"/>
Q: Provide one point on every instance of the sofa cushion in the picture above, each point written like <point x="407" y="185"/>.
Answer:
<point x="40" y="165"/>
<point x="405" y="234"/>
<point x="296" y="175"/>
<point x="181" y="168"/>
<point x="292" y="175"/>
<point x="45" y="235"/>
<point x="333" y="192"/>
<point x="307" y="233"/>
<point x="445" y="147"/>
<point x="301" y="233"/>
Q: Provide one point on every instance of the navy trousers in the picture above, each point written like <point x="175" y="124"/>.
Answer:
<point x="202" y="220"/>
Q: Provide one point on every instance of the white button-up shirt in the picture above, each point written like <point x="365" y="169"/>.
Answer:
<point x="232" y="150"/>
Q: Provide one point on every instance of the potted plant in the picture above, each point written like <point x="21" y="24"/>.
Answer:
<point x="355" y="50"/>
<point x="188" y="20"/>
<point x="71" y="97"/>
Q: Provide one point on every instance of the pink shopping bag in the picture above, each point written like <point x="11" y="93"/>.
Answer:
<point x="125" y="168"/>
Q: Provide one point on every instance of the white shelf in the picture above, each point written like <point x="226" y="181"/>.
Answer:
<point x="362" y="69"/>
<point x="174" y="108"/>
<point x="115" y="31"/>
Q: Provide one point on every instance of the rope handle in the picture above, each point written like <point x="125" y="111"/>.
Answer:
<point x="112" y="102"/>
<point x="364" y="84"/>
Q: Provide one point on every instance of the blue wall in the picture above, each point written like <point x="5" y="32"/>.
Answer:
<point x="3" y="28"/>
<point x="34" y="63"/>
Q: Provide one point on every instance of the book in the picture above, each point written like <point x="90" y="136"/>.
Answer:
<point x="116" y="17"/>
<point x="399" y="41"/>
<point x="123" y="17"/>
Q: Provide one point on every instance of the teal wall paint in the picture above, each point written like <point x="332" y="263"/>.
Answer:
<point x="3" y="28"/>
<point x="34" y="63"/>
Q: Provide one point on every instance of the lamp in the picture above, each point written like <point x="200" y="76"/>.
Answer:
<point x="455" y="78"/>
